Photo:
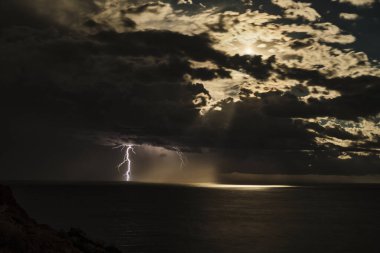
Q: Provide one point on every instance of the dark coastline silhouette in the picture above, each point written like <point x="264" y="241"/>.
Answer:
<point x="20" y="233"/>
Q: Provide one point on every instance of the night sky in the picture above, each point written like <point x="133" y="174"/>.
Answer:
<point x="242" y="88"/>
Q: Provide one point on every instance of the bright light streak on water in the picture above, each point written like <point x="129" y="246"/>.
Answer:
<point x="238" y="186"/>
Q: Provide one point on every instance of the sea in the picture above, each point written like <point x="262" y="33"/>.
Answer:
<point x="197" y="218"/>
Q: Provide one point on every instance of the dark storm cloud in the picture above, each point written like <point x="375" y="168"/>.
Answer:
<point x="360" y="96"/>
<point x="45" y="13"/>
<point x="135" y="84"/>
<point x="343" y="107"/>
<point x="269" y="122"/>
<point x="134" y="77"/>
<point x="160" y="43"/>
<point x="57" y="74"/>
<point x="297" y="162"/>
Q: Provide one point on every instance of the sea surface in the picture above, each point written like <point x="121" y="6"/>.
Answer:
<point x="205" y="218"/>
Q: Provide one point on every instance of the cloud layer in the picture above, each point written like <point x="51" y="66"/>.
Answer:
<point x="248" y="82"/>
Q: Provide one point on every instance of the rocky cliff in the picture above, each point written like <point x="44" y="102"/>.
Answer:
<point x="19" y="233"/>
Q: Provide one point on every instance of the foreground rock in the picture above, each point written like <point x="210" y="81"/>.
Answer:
<point x="19" y="233"/>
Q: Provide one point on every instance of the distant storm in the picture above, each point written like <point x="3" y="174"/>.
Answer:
<point x="217" y="88"/>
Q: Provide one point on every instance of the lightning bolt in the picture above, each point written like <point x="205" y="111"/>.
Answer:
<point x="181" y="157"/>
<point x="126" y="159"/>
